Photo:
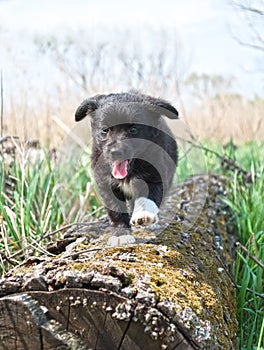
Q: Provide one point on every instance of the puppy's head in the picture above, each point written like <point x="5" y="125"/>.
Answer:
<point x="120" y="124"/>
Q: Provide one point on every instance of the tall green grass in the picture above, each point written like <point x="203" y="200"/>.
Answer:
<point x="246" y="200"/>
<point x="35" y="200"/>
<point x="247" y="204"/>
<point x="28" y="206"/>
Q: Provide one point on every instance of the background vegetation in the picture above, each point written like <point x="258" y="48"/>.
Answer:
<point x="37" y="198"/>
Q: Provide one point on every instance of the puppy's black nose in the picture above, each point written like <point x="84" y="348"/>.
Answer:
<point x="117" y="153"/>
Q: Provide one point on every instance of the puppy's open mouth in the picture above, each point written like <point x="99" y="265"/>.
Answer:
<point x="119" y="169"/>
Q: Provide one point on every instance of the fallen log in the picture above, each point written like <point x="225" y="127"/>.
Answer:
<point x="171" y="290"/>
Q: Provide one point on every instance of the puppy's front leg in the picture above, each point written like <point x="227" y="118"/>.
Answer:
<point x="120" y="229"/>
<point x="115" y="205"/>
<point x="146" y="209"/>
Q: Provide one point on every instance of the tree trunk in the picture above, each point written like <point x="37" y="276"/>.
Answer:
<point x="169" y="291"/>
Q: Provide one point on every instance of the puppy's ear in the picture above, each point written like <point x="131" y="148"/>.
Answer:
<point x="166" y="108"/>
<point x="85" y="108"/>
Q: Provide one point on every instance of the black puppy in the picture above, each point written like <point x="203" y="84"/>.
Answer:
<point x="134" y="156"/>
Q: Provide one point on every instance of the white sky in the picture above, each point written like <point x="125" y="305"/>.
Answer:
<point x="47" y="13"/>
<point x="203" y="27"/>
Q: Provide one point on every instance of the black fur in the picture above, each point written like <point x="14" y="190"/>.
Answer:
<point x="129" y="126"/>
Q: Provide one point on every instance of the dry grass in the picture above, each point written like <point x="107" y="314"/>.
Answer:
<point x="231" y="118"/>
<point x="227" y="118"/>
<point x="69" y="70"/>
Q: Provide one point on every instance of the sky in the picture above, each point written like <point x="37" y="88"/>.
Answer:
<point x="204" y="28"/>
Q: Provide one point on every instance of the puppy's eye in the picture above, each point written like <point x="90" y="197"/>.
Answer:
<point x="133" y="130"/>
<point x="104" y="131"/>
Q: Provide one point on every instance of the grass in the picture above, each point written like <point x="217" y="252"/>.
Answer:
<point x="38" y="198"/>
<point x="35" y="201"/>
<point x="246" y="203"/>
<point x="30" y="208"/>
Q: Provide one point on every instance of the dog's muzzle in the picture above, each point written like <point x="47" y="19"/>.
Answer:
<point x="119" y="155"/>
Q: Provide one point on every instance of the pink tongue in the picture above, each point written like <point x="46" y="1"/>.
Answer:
<point x="119" y="170"/>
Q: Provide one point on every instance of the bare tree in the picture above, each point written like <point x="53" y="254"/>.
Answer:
<point x="252" y="13"/>
<point x="102" y="64"/>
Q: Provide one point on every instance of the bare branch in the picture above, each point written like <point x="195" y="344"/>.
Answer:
<point x="251" y="9"/>
<point x="252" y="257"/>
<point x="254" y="16"/>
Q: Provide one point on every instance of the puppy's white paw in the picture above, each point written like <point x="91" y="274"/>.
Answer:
<point x="144" y="218"/>
<point x="116" y="241"/>
<point x="145" y="212"/>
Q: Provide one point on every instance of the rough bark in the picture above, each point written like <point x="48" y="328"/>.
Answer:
<point x="169" y="291"/>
